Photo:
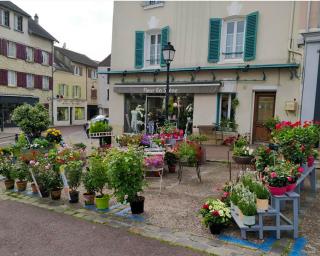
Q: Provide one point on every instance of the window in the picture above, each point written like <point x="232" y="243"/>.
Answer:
<point x="63" y="90"/>
<point x="45" y="58"/>
<point x="62" y="114"/>
<point x="76" y="91"/>
<point x="18" y="22"/>
<point x="29" y="53"/>
<point x="77" y="71"/>
<point x="93" y="74"/>
<point x="12" y="52"/>
<point x="45" y="83"/>
<point x="4" y="18"/>
<point x="227" y="110"/>
<point x="234" y="39"/>
<point x="79" y="113"/>
<point x="30" y="81"/>
<point x="154" y="49"/>
<point x="12" y="78"/>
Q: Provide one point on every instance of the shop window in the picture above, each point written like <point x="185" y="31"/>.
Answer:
<point x="62" y="114"/>
<point x="79" y="113"/>
<point x="226" y="111"/>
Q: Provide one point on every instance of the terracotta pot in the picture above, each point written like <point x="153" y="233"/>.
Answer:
<point x="172" y="168"/>
<point x="55" y="194"/>
<point x="89" y="198"/>
<point x="34" y="188"/>
<point x="262" y="204"/>
<point x="9" y="184"/>
<point x="22" y="185"/>
<point x="276" y="191"/>
<point x="243" y="159"/>
<point x="291" y="187"/>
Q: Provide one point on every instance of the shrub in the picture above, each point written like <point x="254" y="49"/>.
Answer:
<point x="21" y="172"/>
<point x="31" y="119"/>
<point x="88" y="182"/>
<point x="73" y="171"/>
<point x="98" y="174"/>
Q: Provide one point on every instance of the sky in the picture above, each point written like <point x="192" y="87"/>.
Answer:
<point x="84" y="25"/>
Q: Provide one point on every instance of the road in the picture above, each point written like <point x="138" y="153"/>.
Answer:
<point x="32" y="231"/>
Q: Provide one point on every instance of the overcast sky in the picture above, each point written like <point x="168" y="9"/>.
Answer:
<point x="84" y="25"/>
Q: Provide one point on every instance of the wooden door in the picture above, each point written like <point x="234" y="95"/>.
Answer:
<point x="264" y="106"/>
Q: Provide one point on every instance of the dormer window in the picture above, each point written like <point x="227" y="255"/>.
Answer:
<point x="18" y="22"/>
<point x="77" y="71"/>
<point x="4" y="18"/>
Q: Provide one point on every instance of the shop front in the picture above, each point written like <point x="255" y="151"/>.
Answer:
<point x="144" y="105"/>
<point x="69" y="112"/>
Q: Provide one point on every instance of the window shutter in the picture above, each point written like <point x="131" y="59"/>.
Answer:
<point x="21" y="51"/>
<point x="89" y="72"/>
<point x="38" y="81"/>
<point x="50" y="59"/>
<point x="164" y="41"/>
<point x="214" y="40"/>
<point x="139" y="49"/>
<point x="3" y="47"/>
<point x="79" y="87"/>
<point x="251" y="36"/>
<point x="3" y="77"/>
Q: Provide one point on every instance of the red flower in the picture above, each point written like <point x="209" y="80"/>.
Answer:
<point x="296" y="124"/>
<point x="273" y="175"/>
<point x="278" y="126"/>
<point x="300" y="169"/>
<point x="205" y="206"/>
<point x="268" y="150"/>
<point x="290" y="179"/>
<point x="303" y="148"/>
<point x="215" y="213"/>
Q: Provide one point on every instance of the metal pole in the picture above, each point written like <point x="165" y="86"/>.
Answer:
<point x="167" y="93"/>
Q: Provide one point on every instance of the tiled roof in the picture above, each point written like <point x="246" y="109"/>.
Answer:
<point x="11" y="6"/>
<point x="106" y="62"/>
<point x="77" y="57"/>
<point x="60" y="65"/>
<point x="37" y="30"/>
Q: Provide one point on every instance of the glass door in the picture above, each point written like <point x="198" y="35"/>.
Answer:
<point x="155" y="113"/>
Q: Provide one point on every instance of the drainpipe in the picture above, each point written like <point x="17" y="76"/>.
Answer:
<point x="290" y="49"/>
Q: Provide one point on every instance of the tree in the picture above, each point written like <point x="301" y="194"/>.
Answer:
<point x="31" y="119"/>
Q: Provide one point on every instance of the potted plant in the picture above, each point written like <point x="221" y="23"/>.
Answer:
<point x="101" y="127"/>
<point x="186" y="152"/>
<point x="247" y="206"/>
<point x="6" y="170"/>
<point x="55" y="184"/>
<point x="198" y="138"/>
<point x="99" y="179"/>
<point x="54" y="135"/>
<point x="120" y="166"/>
<point x="21" y="172"/>
<point x="216" y="215"/>
<point x="73" y="174"/>
<point x="262" y="194"/>
<point x="236" y="192"/>
<point x="90" y="194"/>
<point x="264" y="157"/>
<point x="242" y="153"/>
<point x="277" y="178"/>
<point x="171" y="159"/>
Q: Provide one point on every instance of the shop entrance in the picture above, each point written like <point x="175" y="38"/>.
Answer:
<point x="155" y="113"/>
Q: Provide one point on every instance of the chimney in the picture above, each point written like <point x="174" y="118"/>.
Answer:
<point x="36" y="18"/>
<point x="64" y="46"/>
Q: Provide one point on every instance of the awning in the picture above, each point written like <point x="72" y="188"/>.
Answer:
<point x="14" y="99"/>
<point x="175" y="88"/>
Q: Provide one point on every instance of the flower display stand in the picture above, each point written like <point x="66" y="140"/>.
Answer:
<point x="274" y="211"/>
<point x="100" y="136"/>
<point x="186" y="163"/>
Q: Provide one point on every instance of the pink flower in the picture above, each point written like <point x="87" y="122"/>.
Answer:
<point x="47" y="167"/>
<point x="300" y="169"/>
<point x="225" y="194"/>
<point x="32" y="162"/>
<point x="290" y="179"/>
<point x="273" y="175"/>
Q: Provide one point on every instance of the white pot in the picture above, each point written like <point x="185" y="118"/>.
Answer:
<point x="249" y="220"/>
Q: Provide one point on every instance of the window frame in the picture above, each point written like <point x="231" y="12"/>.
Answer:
<point x="45" y="58"/>
<point x="64" y="90"/>
<point x="10" y="43"/>
<point x="231" y="97"/>
<point x="147" y="48"/>
<point x="223" y="39"/>
<point x="27" y="54"/>
<point x="75" y="113"/>
<point x="77" y="70"/>
<point x="94" y="74"/>
<point x="27" y="81"/>
<point x="45" y="83"/>
<point x="67" y="114"/>
<point x="3" y="13"/>
<point x="76" y="92"/>
<point x="10" y="72"/>
<point x="17" y="19"/>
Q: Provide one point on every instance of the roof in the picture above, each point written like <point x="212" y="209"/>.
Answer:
<point x="60" y="65"/>
<point x="77" y="57"/>
<point x="106" y="62"/>
<point x="37" y="30"/>
<point x="11" y="6"/>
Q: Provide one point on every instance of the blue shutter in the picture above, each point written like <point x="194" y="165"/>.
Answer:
<point x="251" y="36"/>
<point x="164" y="41"/>
<point x="214" y="40"/>
<point x="139" y="49"/>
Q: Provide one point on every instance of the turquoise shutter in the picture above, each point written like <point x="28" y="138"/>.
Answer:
<point x="164" y="41"/>
<point x="214" y="40"/>
<point x="251" y="36"/>
<point x="139" y="49"/>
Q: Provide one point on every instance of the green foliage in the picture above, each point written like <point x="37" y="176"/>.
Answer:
<point x="31" y="119"/>
<point x="98" y="174"/>
<point x="6" y="167"/>
<point x="125" y="171"/>
<point x="40" y="143"/>
<point x="79" y="146"/>
<point x="198" y="138"/>
<point x="278" y="174"/>
<point x="260" y="190"/>
<point x="100" y="126"/>
<point x="170" y="158"/>
<point x="264" y="158"/>
<point x="271" y="123"/>
<point x="129" y="139"/>
<point x="241" y="141"/>
<point x="22" y="141"/>
<point x="187" y="152"/>
<point x="167" y="128"/>
<point x="20" y="171"/>
<point x="248" y="180"/>
<point x="73" y="171"/>
<point x="215" y="211"/>
<point x="247" y="208"/>
<point x="88" y="182"/>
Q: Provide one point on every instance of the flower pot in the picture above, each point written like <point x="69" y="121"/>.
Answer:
<point x="34" y="188"/>
<point x="102" y="203"/>
<point x="276" y="191"/>
<point x="9" y="184"/>
<point x="243" y="159"/>
<point x="89" y="198"/>
<point x="137" y="205"/>
<point x="74" y="197"/>
<point x="215" y="228"/>
<point x="249" y="220"/>
<point x="22" y="185"/>
<point x="55" y="194"/>
<point x="172" y="168"/>
<point x="291" y="187"/>
<point x="262" y="204"/>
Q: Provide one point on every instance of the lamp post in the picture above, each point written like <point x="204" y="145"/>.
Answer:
<point x="168" y="55"/>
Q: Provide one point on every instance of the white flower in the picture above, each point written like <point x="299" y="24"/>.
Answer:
<point x="210" y="207"/>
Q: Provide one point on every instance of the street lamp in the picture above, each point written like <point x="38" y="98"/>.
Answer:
<point x="168" y="55"/>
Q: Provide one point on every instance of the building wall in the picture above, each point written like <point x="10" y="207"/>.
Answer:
<point x="103" y="87"/>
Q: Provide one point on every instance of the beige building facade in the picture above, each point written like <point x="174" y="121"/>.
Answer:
<point x="235" y="64"/>
<point x="25" y="61"/>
